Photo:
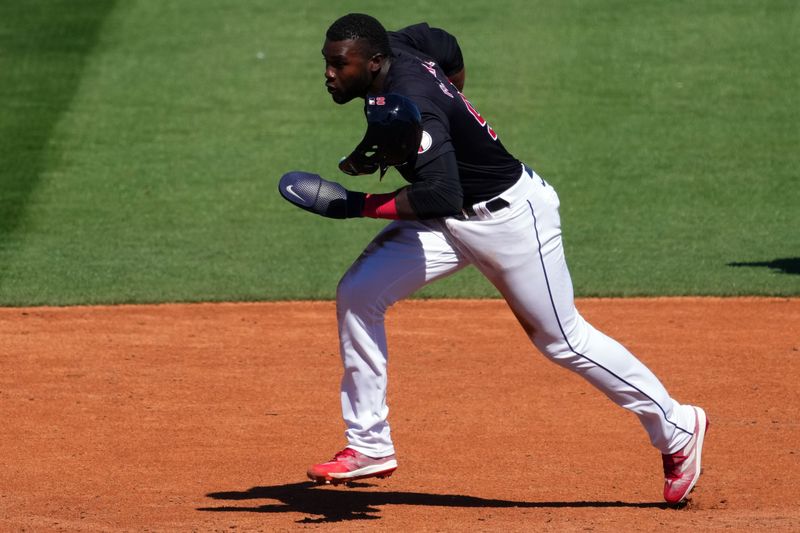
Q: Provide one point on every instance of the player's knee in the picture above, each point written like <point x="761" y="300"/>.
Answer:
<point x="562" y="346"/>
<point x="345" y="289"/>
<point x="354" y="294"/>
<point x="554" y="348"/>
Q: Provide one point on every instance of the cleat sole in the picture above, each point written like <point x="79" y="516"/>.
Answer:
<point x="346" y="481"/>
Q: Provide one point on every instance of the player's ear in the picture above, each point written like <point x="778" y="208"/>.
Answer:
<point x="376" y="61"/>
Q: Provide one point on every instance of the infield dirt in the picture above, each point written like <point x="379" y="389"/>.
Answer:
<point x="205" y="417"/>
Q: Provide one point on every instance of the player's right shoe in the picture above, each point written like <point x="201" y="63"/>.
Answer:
<point x="349" y="465"/>
<point x="682" y="468"/>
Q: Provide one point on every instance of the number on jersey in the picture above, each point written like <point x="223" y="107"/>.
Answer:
<point x="478" y="117"/>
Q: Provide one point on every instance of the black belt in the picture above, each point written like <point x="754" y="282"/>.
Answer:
<point x="493" y="205"/>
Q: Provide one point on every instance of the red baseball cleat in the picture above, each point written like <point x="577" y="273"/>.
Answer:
<point x="682" y="468"/>
<point x="349" y="465"/>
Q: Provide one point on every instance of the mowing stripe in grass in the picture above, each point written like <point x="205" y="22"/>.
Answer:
<point x="43" y="47"/>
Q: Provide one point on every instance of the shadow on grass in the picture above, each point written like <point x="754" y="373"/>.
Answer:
<point x="43" y="49"/>
<point x="328" y="504"/>
<point x="788" y="265"/>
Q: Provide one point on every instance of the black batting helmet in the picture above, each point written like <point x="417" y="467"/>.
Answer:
<point x="394" y="131"/>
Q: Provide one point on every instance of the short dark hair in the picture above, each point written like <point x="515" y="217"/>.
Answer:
<point x="361" y="26"/>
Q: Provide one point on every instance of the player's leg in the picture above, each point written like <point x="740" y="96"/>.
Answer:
<point x="404" y="257"/>
<point x="521" y="252"/>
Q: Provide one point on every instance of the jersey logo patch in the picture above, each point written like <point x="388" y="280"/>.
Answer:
<point x="425" y="143"/>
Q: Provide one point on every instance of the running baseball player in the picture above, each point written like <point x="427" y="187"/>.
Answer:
<point x="468" y="202"/>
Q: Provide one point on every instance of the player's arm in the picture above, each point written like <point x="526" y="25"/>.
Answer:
<point x="449" y="54"/>
<point x="437" y="44"/>
<point x="436" y="191"/>
<point x="395" y="124"/>
<point x="435" y="185"/>
<point x="437" y="194"/>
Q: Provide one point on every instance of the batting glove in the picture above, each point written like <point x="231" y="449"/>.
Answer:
<point x="326" y="198"/>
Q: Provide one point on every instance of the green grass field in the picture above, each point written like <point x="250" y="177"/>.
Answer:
<point x="141" y="143"/>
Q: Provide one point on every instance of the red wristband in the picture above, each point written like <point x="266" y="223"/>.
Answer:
<point x="381" y="206"/>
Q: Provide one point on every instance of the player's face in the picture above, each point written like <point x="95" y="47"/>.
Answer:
<point x="348" y="70"/>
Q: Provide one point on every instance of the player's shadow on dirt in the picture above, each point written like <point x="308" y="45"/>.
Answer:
<point x="336" y="505"/>
<point x="786" y="265"/>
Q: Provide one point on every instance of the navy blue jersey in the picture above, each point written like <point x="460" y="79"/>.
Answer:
<point x="429" y="43"/>
<point x="451" y="124"/>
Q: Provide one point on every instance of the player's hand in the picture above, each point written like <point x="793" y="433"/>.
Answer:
<point x="358" y="164"/>
<point x="327" y="198"/>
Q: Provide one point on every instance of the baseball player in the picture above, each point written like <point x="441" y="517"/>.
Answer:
<point x="468" y="202"/>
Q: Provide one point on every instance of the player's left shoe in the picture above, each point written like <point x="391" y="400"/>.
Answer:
<point x="349" y="465"/>
<point x="682" y="468"/>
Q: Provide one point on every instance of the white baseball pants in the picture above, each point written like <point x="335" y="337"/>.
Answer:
<point x="519" y="249"/>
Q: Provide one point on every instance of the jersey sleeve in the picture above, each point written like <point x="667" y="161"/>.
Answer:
<point x="434" y="43"/>
<point x="435" y="189"/>
<point x="451" y="60"/>
<point x="436" y="138"/>
<point x="439" y="192"/>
